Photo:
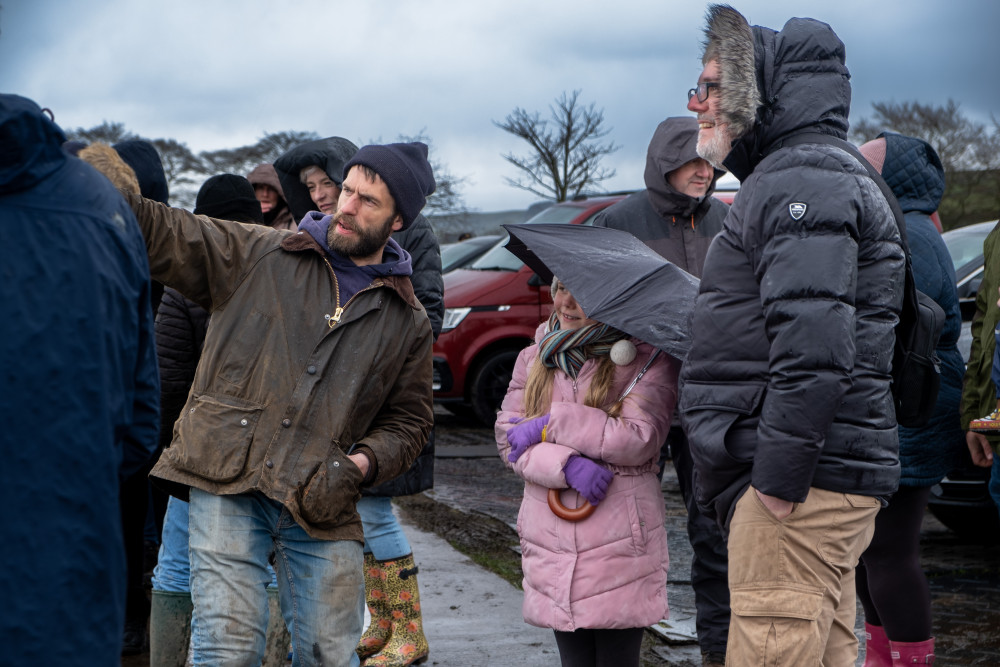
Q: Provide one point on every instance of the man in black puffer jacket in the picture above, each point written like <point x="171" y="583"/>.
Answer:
<point x="785" y="394"/>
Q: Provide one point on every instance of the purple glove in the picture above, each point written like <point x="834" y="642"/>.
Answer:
<point x="524" y="435"/>
<point x="588" y="477"/>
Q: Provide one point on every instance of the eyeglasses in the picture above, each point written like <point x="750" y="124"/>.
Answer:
<point x="701" y="90"/>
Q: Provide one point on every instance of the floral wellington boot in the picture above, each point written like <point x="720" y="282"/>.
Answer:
<point x="377" y="632"/>
<point x="397" y="591"/>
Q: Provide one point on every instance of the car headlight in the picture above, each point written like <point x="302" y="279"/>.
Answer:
<point x="453" y="317"/>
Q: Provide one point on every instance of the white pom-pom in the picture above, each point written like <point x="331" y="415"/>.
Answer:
<point x="623" y="352"/>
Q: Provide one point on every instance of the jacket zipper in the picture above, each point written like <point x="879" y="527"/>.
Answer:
<point x="332" y="320"/>
<point x="338" y="312"/>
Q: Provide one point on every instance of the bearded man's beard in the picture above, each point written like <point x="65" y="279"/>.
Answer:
<point x="716" y="148"/>
<point x="365" y="242"/>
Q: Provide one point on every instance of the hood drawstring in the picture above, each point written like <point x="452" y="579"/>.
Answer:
<point x="673" y="219"/>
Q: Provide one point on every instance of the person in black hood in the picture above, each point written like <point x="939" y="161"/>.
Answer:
<point x="785" y="394"/>
<point x="677" y="217"/>
<point x="144" y="160"/>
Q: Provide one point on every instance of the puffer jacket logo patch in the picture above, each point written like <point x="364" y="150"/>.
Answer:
<point x="797" y="210"/>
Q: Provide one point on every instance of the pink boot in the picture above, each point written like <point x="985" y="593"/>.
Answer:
<point x="912" y="653"/>
<point x="876" y="647"/>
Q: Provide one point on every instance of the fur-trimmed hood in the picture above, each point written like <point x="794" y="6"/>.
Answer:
<point x="776" y="84"/>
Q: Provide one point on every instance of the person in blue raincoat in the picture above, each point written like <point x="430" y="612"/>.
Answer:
<point x="80" y="394"/>
<point x="890" y="581"/>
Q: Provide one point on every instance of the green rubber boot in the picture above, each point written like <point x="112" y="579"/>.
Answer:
<point x="169" y="629"/>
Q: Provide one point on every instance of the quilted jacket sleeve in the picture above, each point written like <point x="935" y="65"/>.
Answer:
<point x="428" y="284"/>
<point x="180" y="334"/>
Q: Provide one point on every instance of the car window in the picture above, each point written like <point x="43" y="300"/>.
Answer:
<point x="965" y="244"/>
<point x="498" y="258"/>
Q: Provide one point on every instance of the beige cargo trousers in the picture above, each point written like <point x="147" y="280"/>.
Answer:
<point x="791" y="581"/>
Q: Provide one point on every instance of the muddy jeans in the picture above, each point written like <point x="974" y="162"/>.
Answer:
<point x="320" y="584"/>
<point x="792" y="581"/>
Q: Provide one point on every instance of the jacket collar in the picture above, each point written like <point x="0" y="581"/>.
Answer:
<point x="303" y="242"/>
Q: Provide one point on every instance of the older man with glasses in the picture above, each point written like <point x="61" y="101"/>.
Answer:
<point x="785" y="394"/>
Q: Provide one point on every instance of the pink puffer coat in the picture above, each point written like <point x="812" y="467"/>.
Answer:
<point x="609" y="570"/>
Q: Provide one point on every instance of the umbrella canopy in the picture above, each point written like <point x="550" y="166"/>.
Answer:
<point x="616" y="278"/>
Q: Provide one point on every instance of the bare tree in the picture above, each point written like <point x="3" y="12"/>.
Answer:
<point x="969" y="152"/>
<point x="274" y="144"/>
<point x="952" y="135"/>
<point x="107" y="133"/>
<point x="180" y="166"/>
<point x="182" y="170"/>
<point x="446" y="198"/>
<point x="565" y="159"/>
<point x="242" y="160"/>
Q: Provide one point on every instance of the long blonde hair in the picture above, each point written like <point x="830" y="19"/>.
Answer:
<point x="538" y="389"/>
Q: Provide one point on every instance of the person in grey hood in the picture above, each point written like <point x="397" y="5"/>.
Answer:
<point x="677" y="217"/>
<point x="785" y="394"/>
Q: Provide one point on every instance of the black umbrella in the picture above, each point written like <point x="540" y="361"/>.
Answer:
<point x="616" y="278"/>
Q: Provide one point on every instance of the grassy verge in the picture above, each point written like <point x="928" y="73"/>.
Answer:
<point x="488" y="542"/>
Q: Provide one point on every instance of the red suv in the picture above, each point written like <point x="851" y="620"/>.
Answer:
<point x="492" y="309"/>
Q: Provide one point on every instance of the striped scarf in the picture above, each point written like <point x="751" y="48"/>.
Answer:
<point x="567" y="349"/>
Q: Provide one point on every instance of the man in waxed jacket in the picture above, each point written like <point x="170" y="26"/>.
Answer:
<point x="315" y="380"/>
<point x="677" y="217"/>
<point x="785" y="394"/>
<point x="313" y="173"/>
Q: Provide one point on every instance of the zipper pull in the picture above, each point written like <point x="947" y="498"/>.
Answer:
<point x="333" y="319"/>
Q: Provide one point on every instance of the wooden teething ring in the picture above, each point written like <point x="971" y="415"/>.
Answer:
<point x="565" y="513"/>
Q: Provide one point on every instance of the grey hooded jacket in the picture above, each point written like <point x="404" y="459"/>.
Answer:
<point x="786" y="386"/>
<point x="678" y="227"/>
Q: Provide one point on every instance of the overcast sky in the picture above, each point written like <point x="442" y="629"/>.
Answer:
<point x="216" y="74"/>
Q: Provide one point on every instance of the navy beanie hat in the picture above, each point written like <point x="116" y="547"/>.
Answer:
<point x="405" y="171"/>
<point x="228" y="197"/>
<point x="145" y="162"/>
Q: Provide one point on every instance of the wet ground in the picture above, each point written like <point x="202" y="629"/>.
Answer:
<point x="964" y="575"/>
<point x="474" y="507"/>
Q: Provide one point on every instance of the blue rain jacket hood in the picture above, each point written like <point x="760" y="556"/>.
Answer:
<point x="80" y="393"/>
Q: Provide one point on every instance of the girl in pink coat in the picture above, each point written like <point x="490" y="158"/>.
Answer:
<point x="563" y="425"/>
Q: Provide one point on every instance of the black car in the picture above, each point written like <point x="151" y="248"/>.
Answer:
<point x="962" y="501"/>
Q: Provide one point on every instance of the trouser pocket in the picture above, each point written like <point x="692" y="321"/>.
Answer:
<point x="775" y="624"/>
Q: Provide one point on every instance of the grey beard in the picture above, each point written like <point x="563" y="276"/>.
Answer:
<point x="717" y="148"/>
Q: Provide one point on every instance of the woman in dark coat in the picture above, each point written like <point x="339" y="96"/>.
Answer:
<point x="890" y="582"/>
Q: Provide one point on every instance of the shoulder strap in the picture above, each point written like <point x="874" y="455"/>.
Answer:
<point x="638" y="377"/>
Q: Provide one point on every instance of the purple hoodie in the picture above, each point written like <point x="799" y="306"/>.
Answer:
<point x="351" y="277"/>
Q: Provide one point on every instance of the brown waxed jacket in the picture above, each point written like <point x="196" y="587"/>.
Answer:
<point x="284" y="388"/>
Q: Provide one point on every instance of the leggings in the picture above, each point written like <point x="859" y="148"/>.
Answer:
<point x="890" y="582"/>
<point x="600" y="648"/>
